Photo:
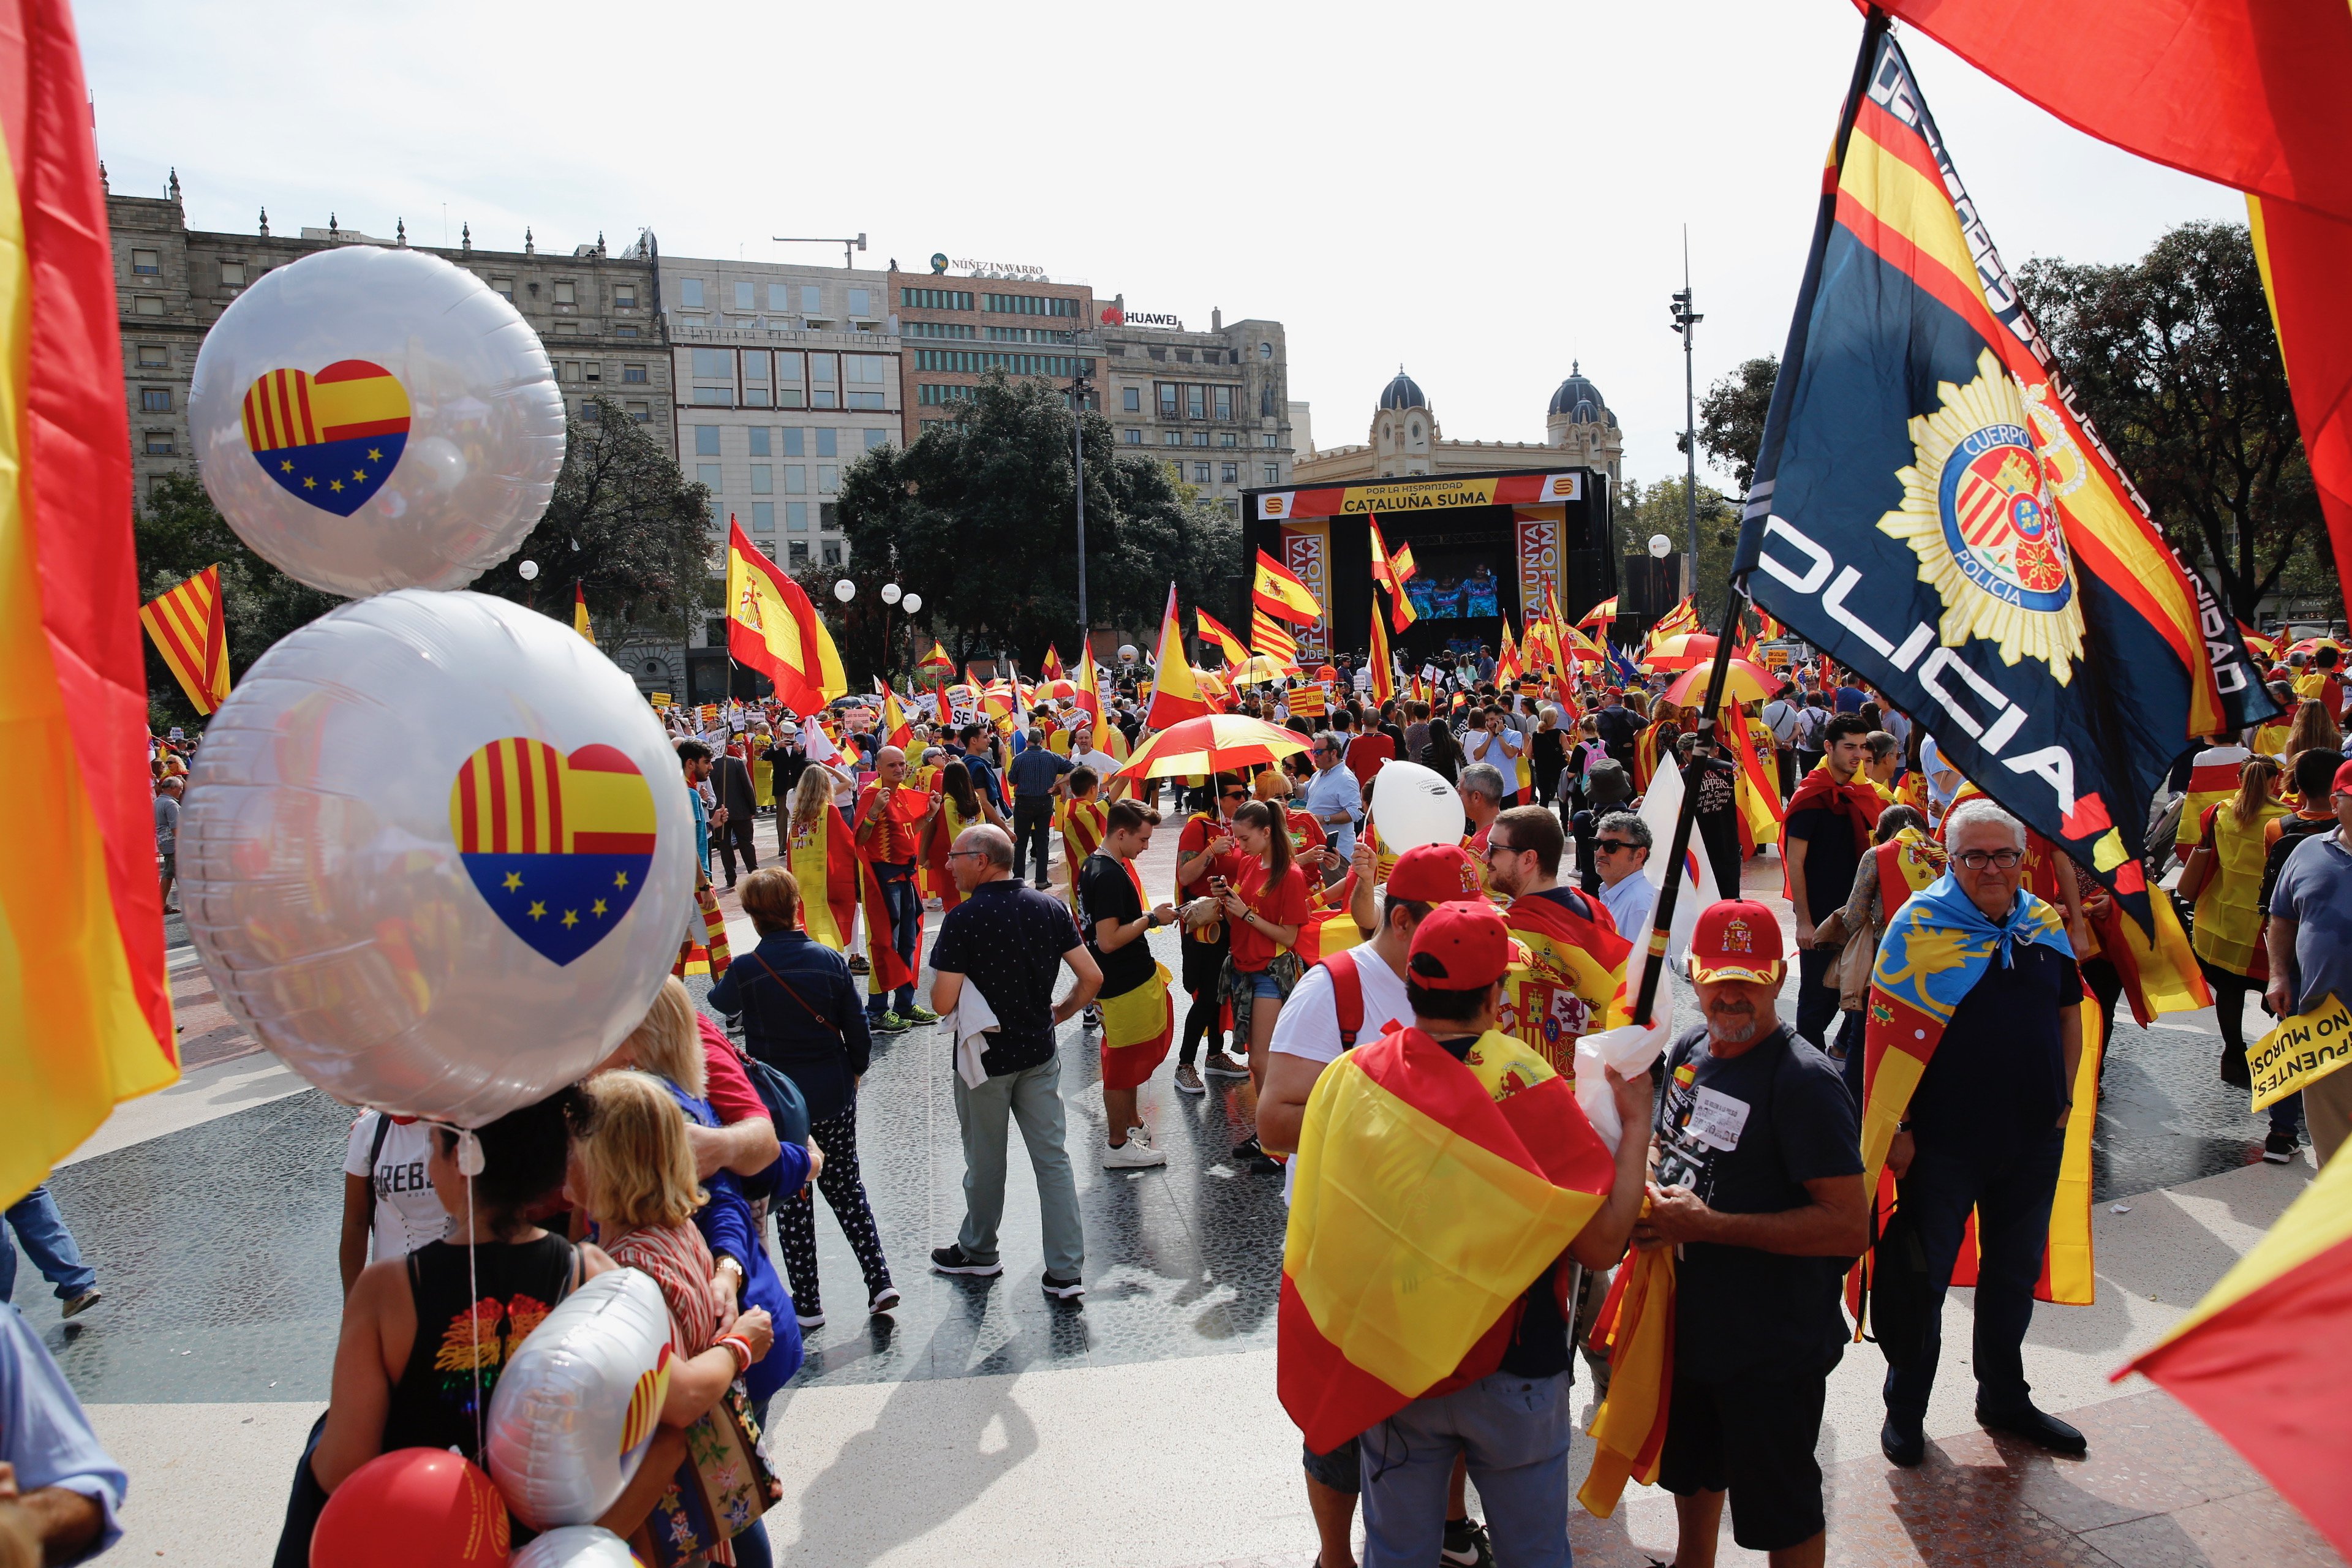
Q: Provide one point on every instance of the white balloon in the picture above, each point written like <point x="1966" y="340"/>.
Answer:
<point x="1414" y="806"/>
<point x="369" y="420"/>
<point x="527" y="571"/>
<point x="577" y="1546"/>
<point x="437" y="855"/>
<point x="576" y="1406"/>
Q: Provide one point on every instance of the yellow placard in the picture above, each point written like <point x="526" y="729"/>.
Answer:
<point x="2302" y="1050"/>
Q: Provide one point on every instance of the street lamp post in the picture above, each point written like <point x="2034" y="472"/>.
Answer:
<point x="1080" y="389"/>
<point x="1686" y="319"/>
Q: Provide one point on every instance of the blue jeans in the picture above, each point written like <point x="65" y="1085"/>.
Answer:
<point x="1512" y="1433"/>
<point x="2012" y="1199"/>
<point x="35" y="1219"/>
<point x="905" y="928"/>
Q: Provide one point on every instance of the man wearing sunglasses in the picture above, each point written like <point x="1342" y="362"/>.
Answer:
<point x="1334" y="796"/>
<point x="1620" y="848"/>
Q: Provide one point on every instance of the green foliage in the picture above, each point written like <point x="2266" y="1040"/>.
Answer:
<point x="2175" y="360"/>
<point x="1664" y="508"/>
<point x="978" y="516"/>
<point x="626" y="525"/>
<point x="1731" y="418"/>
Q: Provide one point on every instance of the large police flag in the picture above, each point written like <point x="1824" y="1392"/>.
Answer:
<point x="1932" y="507"/>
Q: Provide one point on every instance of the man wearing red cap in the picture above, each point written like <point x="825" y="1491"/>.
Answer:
<point x="1356" y="994"/>
<point x="1758" y="1181"/>
<point x="1401" y="1240"/>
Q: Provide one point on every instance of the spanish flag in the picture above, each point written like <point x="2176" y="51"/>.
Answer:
<point x="1383" y="573"/>
<point x="1276" y="591"/>
<point x="190" y="633"/>
<point x="1430" y="1193"/>
<point x="772" y="628"/>
<point x="896" y="731"/>
<point x="2261" y="1358"/>
<point x="823" y="860"/>
<point x="1052" y="668"/>
<point x="1214" y="631"/>
<point x="1573" y="982"/>
<point x="938" y="661"/>
<point x="1177" y="696"/>
<point x="1383" y="669"/>
<point x="85" y="1017"/>
<point x="580" y="615"/>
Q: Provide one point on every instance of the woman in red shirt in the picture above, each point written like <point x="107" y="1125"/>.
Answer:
<point x="1264" y="896"/>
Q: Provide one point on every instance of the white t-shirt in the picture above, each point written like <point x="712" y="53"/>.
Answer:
<point x="1310" y="1025"/>
<point x="1103" y="762"/>
<point x="408" y="1212"/>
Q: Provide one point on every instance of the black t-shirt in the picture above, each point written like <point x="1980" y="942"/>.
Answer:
<point x="1106" y="892"/>
<point x="1746" y="1133"/>
<point x="1008" y="939"/>
<point x="1998" y="1079"/>
<point x="1538" y="1347"/>
<point x="1831" y="858"/>
<point x="1617" y="727"/>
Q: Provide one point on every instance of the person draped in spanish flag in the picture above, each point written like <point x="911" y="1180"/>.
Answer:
<point x="962" y="805"/>
<point x="1080" y="816"/>
<point x="1655" y="744"/>
<point x="1573" y="982"/>
<point x="1137" y="1002"/>
<point x="823" y="858"/>
<point x="1444" y="1179"/>
<point x="1978" y="1099"/>
<point x="890" y="822"/>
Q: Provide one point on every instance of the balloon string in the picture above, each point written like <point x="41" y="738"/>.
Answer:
<point x="474" y="1314"/>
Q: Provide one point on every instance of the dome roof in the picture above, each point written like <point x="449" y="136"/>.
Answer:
<point x="1580" y="400"/>
<point x="1403" y="393"/>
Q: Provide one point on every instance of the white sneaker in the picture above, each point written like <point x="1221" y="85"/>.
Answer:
<point x="810" y="1320"/>
<point x="1133" y="1154"/>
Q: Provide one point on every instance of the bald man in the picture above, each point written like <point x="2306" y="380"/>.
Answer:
<point x="887" y="835"/>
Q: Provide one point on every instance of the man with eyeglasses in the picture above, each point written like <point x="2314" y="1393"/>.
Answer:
<point x="1983" y="1129"/>
<point x="1334" y="796"/>
<point x="1621" y="849"/>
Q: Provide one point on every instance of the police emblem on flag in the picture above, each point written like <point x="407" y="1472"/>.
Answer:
<point x="1977" y="511"/>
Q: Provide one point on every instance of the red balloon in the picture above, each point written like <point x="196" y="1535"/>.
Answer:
<point x="412" y="1508"/>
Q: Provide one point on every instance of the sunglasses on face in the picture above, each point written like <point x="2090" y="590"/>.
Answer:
<point x="1611" y="846"/>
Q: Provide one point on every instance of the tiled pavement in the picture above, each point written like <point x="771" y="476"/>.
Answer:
<point x="214" y="1235"/>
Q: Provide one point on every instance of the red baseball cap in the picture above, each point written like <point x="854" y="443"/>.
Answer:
<point x="2343" y="784"/>
<point x="1435" y="874"/>
<point x="1462" y="946"/>
<point x="1737" y="939"/>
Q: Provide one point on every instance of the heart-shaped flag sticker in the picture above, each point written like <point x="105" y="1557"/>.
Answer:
<point x="331" y="439"/>
<point x="559" y="847"/>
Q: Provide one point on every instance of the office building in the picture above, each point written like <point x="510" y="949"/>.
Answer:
<point x="956" y="329"/>
<point x="1213" y="404"/>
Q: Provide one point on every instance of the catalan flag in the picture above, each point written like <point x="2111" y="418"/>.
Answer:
<point x="1176" y="696"/>
<point x="558" y="846"/>
<point x="329" y="439"/>
<point x="189" y="629"/>
<point x="1430" y="1193"/>
<point x="2261" y="1358"/>
<point x="1214" y="630"/>
<point x="1930" y="511"/>
<point x="85" y="1017"/>
<point x="772" y="628"/>
<point x="1383" y="669"/>
<point x="1273" y="640"/>
<point x="1277" y="590"/>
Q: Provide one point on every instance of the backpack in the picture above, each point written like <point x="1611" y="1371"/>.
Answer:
<point x="1606" y="783"/>
<point x="2293" y="831"/>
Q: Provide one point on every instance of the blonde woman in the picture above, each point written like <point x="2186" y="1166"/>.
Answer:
<point x="2222" y="878"/>
<point x="2313" y="731"/>
<point x="635" y="1179"/>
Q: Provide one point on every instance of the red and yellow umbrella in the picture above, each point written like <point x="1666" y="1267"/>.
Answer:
<point x="1259" y="668"/>
<point x="1682" y="650"/>
<point x="1217" y="742"/>
<point x="1060" y="691"/>
<point x="2310" y="646"/>
<point x="1747" y="682"/>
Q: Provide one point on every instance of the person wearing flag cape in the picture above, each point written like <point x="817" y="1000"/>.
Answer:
<point x="1974" y="1058"/>
<point x="1137" y="1004"/>
<point x="888" y="826"/>
<point x="1446" y="1178"/>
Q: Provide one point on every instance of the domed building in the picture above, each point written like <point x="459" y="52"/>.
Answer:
<point x="1404" y="438"/>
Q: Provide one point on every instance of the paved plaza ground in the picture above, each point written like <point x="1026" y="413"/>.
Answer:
<point x="1139" y="1427"/>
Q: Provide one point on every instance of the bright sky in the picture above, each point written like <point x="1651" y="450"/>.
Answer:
<point x="1481" y="192"/>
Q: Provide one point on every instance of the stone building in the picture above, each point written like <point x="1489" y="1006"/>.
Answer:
<point x="956" y="329"/>
<point x="1213" y="404"/>
<point x="1404" y="438"/>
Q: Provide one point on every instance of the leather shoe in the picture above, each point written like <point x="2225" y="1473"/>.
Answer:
<point x="1903" y="1442"/>
<point x="2038" y="1427"/>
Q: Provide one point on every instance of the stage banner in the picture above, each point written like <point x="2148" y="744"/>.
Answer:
<point x="1306" y="551"/>
<point x="1537" y="532"/>
<point x="1432" y="494"/>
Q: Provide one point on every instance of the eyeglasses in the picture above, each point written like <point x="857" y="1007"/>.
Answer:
<point x="1234" y="795"/>
<point x="953" y="853"/>
<point x="1611" y="846"/>
<point x="1494" y="849"/>
<point x="1978" y="860"/>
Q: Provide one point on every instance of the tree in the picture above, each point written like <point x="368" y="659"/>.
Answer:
<point x="979" y="516"/>
<point x="2175" y="360"/>
<point x="1731" y="418"/>
<point x="625" y="525"/>
<point x="1662" y="508"/>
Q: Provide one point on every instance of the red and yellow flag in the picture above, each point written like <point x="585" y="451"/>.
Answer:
<point x="1636" y="1322"/>
<point x="1277" y="590"/>
<point x="1430" y="1193"/>
<point x="1214" y="631"/>
<point x="937" y="660"/>
<point x="1177" y="696"/>
<point x="85" y="1017"/>
<point x="1052" y="668"/>
<point x="897" y="729"/>
<point x="190" y="631"/>
<point x="1758" y="791"/>
<point x="1573" y="983"/>
<point x="1402" y="565"/>
<point x="1273" y="640"/>
<point x="1383" y="670"/>
<point x="1507" y="668"/>
<point x="1383" y="573"/>
<point x="823" y="860"/>
<point x="2261" y="1358"/>
<point x="772" y="628"/>
<point x="580" y="622"/>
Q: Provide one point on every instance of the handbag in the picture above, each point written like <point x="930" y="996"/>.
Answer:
<point x="1896" y="1291"/>
<point x="721" y="1492"/>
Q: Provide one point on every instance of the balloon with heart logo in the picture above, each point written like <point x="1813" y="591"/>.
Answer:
<point x="437" y="855"/>
<point x="577" y="1404"/>
<point x="369" y="420"/>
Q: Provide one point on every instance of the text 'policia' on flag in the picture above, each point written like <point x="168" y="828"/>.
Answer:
<point x="1929" y="507"/>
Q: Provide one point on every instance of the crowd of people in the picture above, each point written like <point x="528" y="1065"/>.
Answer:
<point x="1301" y="940"/>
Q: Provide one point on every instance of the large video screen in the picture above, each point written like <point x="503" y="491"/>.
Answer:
<point x="1455" y="585"/>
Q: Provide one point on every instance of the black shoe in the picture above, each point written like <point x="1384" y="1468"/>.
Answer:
<point x="1902" y="1441"/>
<point x="2038" y="1427"/>
<point x="2281" y="1148"/>
<point x="2234" y="1071"/>
<point x="953" y="1260"/>
<point x="1064" y="1287"/>
<point x="1247" y="1149"/>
